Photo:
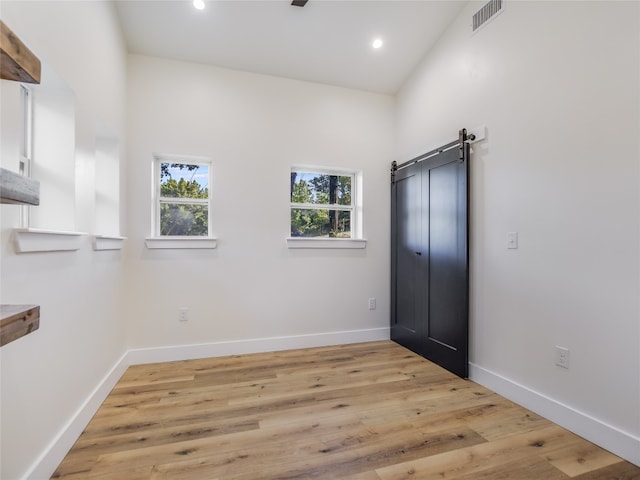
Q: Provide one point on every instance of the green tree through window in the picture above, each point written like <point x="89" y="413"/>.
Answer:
<point x="321" y="204"/>
<point x="184" y="199"/>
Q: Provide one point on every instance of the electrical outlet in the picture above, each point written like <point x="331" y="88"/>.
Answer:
<point x="372" y="303"/>
<point x="183" y="314"/>
<point x="562" y="357"/>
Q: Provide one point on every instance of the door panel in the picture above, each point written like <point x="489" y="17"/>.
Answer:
<point x="443" y="237"/>
<point x="430" y="259"/>
<point x="406" y="328"/>
<point x="447" y="313"/>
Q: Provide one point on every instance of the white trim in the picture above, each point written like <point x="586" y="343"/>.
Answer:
<point x="181" y="242"/>
<point x="609" y="437"/>
<point x="172" y="353"/>
<point x="323" y="206"/>
<point x="327" y="243"/>
<point x="48" y="461"/>
<point x="324" y="170"/>
<point x="40" y="240"/>
<point x="26" y="147"/>
<point x="107" y="242"/>
<point x="184" y="201"/>
<point x="172" y="157"/>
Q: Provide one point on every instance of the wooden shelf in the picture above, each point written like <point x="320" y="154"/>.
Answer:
<point x="17" y="321"/>
<point x="17" y="62"/>
<point x="18" y="189"/>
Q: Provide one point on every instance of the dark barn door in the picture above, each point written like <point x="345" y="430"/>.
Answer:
<point x="429" y="257"/>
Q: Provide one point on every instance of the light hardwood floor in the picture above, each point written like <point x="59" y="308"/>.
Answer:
<point x="370" y="411"/>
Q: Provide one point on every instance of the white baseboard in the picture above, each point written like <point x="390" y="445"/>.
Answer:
<point x="138" y="356"/>
<point x="613" y="439"/>
<point x="46" y="464"/>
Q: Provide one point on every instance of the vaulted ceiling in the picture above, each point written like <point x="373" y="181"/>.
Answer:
<point x="326" y="41"/>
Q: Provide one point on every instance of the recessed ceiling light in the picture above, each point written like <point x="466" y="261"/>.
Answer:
<point x="377" y="43"/>
<point x="199" y="4"/>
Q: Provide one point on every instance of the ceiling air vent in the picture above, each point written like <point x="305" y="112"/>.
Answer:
<point x="486" y="13"/>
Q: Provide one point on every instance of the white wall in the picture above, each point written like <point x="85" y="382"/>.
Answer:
<point x="49" y="374"/>
<point x="254" y="128"/>
<point x="557" y="85"/>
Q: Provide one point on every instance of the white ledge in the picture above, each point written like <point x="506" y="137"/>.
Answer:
<point x="40" y="240"/>
<point x="108" y="242"/>
<point x="181" y="242"/>
<point x="327" y="243"/>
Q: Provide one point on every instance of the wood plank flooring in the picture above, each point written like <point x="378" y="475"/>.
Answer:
<point x="369" y="411"/>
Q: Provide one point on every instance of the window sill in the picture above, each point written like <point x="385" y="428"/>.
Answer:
<point x="181" y="242"/>
<point x="39" y="240"/>
<point x="108" y="242"/>
<point x="326" y="243"/>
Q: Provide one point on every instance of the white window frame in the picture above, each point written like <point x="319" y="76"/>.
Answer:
<point x="356" y="241"/>
<point x="177" y="241"/>
<point x="26" y="143"/>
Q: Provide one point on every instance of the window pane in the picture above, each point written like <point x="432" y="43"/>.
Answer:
<point x="184" y="180"/>
<point x="320" y="223"/>
<point x="184" y="219"/>
<point x="320" y="188"/>
<point x="343" y="193"/>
